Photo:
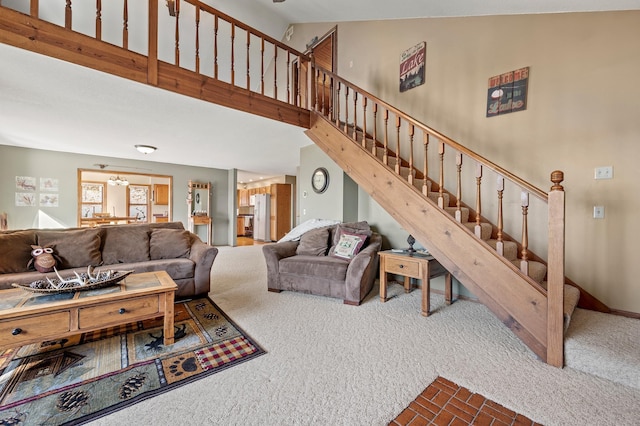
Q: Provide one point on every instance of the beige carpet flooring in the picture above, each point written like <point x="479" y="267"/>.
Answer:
<point x="334" y="364"/>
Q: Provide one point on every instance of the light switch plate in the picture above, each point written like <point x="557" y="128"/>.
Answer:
<point x="598" y="212"/>
<point x="604" y="172"/>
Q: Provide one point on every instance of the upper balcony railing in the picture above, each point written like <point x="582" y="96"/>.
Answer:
<point x="186" y="33"/>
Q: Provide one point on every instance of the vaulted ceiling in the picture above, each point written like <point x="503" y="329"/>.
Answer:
<point x="49" y="104"/>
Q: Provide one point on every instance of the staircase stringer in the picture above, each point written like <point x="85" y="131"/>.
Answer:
<point x="497" y="283"/>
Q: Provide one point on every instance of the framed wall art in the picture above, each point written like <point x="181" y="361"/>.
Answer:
<point x="508" y="92"/>
<point x="412" y="63"/>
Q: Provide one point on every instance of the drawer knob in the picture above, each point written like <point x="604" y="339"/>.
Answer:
<point x="122" y="311"/>
<point x="401" y="266"/>
<point x="16" y="331"/>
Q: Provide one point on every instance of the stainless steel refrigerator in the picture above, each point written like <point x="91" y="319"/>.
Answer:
<point x="262" y="218"/>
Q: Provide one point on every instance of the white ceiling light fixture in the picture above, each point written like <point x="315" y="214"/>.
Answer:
<point x="145" y="149"/>
<point x="113" y="181"/>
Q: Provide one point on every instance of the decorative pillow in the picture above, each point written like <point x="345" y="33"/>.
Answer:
<point x="348" y="245"/>
<point x="125" y="244"/>
<point x="75" y="248"/>
<point x="314" y="242"/>
<point x="15" y="251"/>
<point x="169" y="244"/>
<point x="358" y="228"/>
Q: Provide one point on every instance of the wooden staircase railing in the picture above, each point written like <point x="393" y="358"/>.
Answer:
<point x="196" y="38"/>
<point x="349" y="106"/>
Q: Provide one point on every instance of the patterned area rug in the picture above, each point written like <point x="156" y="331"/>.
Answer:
<point x="77" y="379"/>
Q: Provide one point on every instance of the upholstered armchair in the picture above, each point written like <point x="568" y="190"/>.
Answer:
<point x="338" y="261"/>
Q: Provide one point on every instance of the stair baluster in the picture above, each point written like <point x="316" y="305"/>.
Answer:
<point x="524" y="262"/>
<point x="364" y="122"/>
<point x="411" y="132"/>
<point x="215" y="50"/>
<point x="248" y="65"/>
<point x="261" y="65"/>
<point x="478" y="227"/>
<point x="331" y="101"/>
<point x="346" y="110"/>
<point x="425" y="186"/>
<point x="275" y="71"/>
<point x="441" y="189"/>
<point x="500" y="241"/>
<point x="385" y="156"/>
<point x="177" y="35"/>
<point x="398" y="124"/>
<point x="289" y="100"/>
<point x="67" y="15"/>
<point x="338" y="105"/>
<point x="458" y="215"/>
<point x="355" y="116"/>
<point x="125" y="25"/>
<point x="198" y="42"/>
<point x="98" y="19"/>
<point x="324" y="91"/>
<point x="34" y="8"/>
<point x="375" y="129"/>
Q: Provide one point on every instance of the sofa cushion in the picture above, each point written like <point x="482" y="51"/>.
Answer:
<point x="125" y="244"/>
<point x="348" y="245"/>
<point x="326" y="267"/>
<point x="15" y="251"/>
<point x="314" y="242"/>
<point x="74" y="248"/>
<point x="169" y="243"/>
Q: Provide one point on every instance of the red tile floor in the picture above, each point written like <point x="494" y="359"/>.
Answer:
<point x="445" y="403"/>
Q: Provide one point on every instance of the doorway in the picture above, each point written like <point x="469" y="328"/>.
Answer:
<point x="123" y="197"/>
<point x="324" y="52"/>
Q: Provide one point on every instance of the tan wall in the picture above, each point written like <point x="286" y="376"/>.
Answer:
<point x="583" y="105"/>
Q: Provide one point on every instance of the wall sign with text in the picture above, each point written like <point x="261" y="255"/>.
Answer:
<point x="508" y="92"/>
<point x="412" y="66"/>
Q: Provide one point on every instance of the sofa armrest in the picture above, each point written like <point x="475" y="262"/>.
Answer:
<point x="362" y="270"/>
<point x="203" y="256"/>
<point x="272" y="255"/>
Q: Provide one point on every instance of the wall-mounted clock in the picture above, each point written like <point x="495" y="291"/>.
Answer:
<point x="320" y="180"/>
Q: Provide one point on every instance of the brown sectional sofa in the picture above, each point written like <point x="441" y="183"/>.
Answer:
<point x="138" y="247"/>
<point x="309" y="265"/>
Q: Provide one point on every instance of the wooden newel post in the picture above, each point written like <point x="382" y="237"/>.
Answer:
<point x="555" y="272"/>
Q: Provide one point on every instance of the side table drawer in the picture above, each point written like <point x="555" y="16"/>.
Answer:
<point x="13" y="332"/>
<point x="119" y="312"/>
<point x="406" y="267"/>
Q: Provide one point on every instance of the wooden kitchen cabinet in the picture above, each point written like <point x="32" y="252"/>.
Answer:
<point x="161" y="194"/>
<point x="240" y="225"/>
<point x="280" y="210"/>
<point x="243" y="197"/>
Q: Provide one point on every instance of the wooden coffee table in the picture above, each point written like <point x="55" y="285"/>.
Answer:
<point x="27" y="317"/>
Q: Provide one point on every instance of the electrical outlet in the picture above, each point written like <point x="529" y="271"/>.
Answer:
<point x="598" y="212"/>
<point x="604" y="172"/>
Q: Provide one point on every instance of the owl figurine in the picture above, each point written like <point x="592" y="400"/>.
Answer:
<point x="43" y="258"/>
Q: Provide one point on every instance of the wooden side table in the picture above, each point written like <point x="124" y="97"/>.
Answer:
<point x="413" y="265"/>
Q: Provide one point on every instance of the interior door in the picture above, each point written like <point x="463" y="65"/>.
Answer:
<point x="324" y="55"/>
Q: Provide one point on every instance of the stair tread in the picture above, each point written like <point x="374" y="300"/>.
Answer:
<point x="537" y="270"/>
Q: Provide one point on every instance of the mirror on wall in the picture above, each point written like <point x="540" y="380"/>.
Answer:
<point x="106" y="197"/>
